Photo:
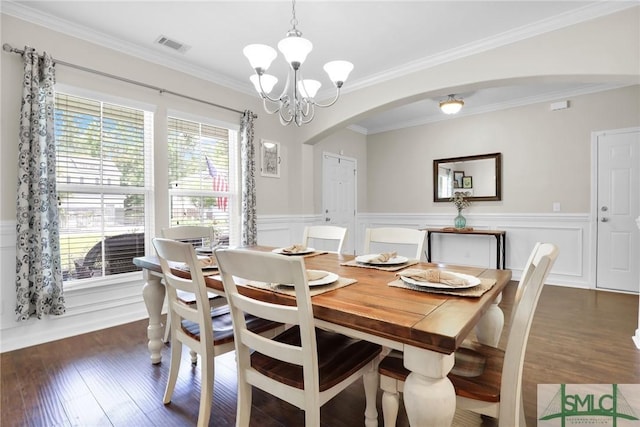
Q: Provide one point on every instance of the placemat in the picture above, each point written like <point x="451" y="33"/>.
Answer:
<point x="354" y="263"/>
<point x="208" y="272"/>
<point x="476" y="291"/>
<point x="315" y="253"/>
<point x="313" y="290"/>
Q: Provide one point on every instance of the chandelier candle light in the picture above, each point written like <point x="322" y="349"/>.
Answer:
<point x="296" y="104"/>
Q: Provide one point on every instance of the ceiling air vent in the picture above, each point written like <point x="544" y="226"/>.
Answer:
<point x="172" y="44"/>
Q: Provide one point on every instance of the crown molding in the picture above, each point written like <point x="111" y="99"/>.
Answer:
<point x="26" y="13"/>
<point x="23" y="11"/>
<point x="557" y="22"/>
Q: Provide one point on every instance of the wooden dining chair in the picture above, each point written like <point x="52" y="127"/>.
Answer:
<point x="325" y="233"/>
<point x="487" y="380"/>
<point x="395" y="236"/>
<point x="305" y="366"/>
<point x="208" y="333"/>
<point x="198" y="236"/>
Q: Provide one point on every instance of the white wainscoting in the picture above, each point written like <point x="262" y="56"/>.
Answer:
<point x="571" y="232"/>
<point x="110" y="303"/>
<point x="119" y="301"/>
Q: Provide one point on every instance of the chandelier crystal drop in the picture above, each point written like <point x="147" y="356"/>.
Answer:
<point x="296" y="103"/>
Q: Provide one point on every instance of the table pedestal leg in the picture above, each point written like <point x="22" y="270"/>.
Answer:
<point x="153" y="294"/>
<point x="371" y="382"/>
<point x="429" y="396"/>
<point x="489" y="328"/>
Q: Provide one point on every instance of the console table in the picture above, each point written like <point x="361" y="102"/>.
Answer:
<point x="500" y="236"/>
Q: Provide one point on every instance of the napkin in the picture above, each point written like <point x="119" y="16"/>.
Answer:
<point x="316" y="275"/>
<point x="294" y="249"/>
<point x="209" y="261"/>
<point x="434" y="276"/>
<point x="383" y="257"/>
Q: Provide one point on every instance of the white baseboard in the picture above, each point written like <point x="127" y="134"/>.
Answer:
<point x="33" y="332"/>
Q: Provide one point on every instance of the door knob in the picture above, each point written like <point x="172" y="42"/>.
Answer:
<point x="603" y="219"/>
<point x="604" y="209"/>
<point x="327" y="219"/>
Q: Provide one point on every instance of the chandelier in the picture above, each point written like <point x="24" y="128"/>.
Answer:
<point x="296" y="104"/>
<point x="451" y="105"/>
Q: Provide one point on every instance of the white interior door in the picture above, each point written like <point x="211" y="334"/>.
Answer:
<point x="618" y="204"/>
<point x="339" y="175"/>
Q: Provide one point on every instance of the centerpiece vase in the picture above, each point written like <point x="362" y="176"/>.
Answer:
<point x="460" y="221"/>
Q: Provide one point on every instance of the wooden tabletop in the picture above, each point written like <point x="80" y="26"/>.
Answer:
<point x="426" y="320"/>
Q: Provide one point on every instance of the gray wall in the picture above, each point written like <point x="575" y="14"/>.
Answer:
<point x="546" y="154"/>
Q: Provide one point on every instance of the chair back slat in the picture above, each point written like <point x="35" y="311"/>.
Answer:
<point x="239" y="266"/>
<point x="396" y="236"/>
<point x="173" y="253"/>
<point x="325" y="233"/>
<point x="283" y="314"/>
<point x="198" y="235"/>
<point x="540" y="262"/>
<point x="287" y="366"/>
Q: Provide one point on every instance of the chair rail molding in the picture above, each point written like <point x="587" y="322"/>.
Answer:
<point x="119" y="300"/>
<point x="570" y="232"/>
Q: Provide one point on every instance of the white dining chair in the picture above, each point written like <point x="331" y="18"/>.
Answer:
<point x="326" y="234"/>
<point x="487" y="380"/>
<point x="206" y="332"/>
<point x="198" y="236"/>
<point x="395" y="236"/>
<point x="305" y="366"/>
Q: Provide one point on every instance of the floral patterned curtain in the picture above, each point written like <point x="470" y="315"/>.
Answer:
<point x="38" y="265"/>
<point x="249" y="228"/>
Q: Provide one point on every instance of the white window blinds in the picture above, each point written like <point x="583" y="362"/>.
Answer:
<point x="102" y="176"/>
<point x="201" y="177"/>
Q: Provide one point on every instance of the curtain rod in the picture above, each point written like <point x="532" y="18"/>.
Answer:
<point x="8" y="48"/>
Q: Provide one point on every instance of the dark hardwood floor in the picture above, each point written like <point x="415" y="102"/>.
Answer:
<point x="105" y="378"/>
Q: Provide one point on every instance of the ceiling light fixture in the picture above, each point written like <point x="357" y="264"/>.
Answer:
<point x="451" y="105"/>
<point x="296" y="104"/>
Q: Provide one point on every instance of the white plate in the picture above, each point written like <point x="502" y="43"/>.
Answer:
<point x="185" y="267"/>
<point x="206" y="268"/>
<point x="471" y="281"/>
<point x="329" y="278"/>
<point x="302" y="252"/>
<point x="204" y="250"/>
<point x="366" y="259"/>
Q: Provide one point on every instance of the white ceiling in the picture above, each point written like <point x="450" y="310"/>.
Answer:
<point x="383" y="39"/>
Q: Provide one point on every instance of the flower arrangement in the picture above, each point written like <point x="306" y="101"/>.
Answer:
<point x="460" y="200"/>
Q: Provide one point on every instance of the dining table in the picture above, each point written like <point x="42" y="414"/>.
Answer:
<point x="427" y="327"/>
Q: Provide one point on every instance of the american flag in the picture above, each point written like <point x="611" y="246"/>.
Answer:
<point x="219" y="184"/>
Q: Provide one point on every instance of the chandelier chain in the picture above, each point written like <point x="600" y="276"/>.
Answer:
<point x="296" y="103"/>
<point x="294" y="20"/>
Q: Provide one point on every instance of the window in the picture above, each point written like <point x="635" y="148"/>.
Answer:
<point x="103" y="178"/>
<point x="202" y="171"/>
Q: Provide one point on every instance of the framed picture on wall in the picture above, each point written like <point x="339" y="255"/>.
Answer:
<point x="467" y="182"/>
<point x="270" y="158"/>
<point x="457" y="179"/>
